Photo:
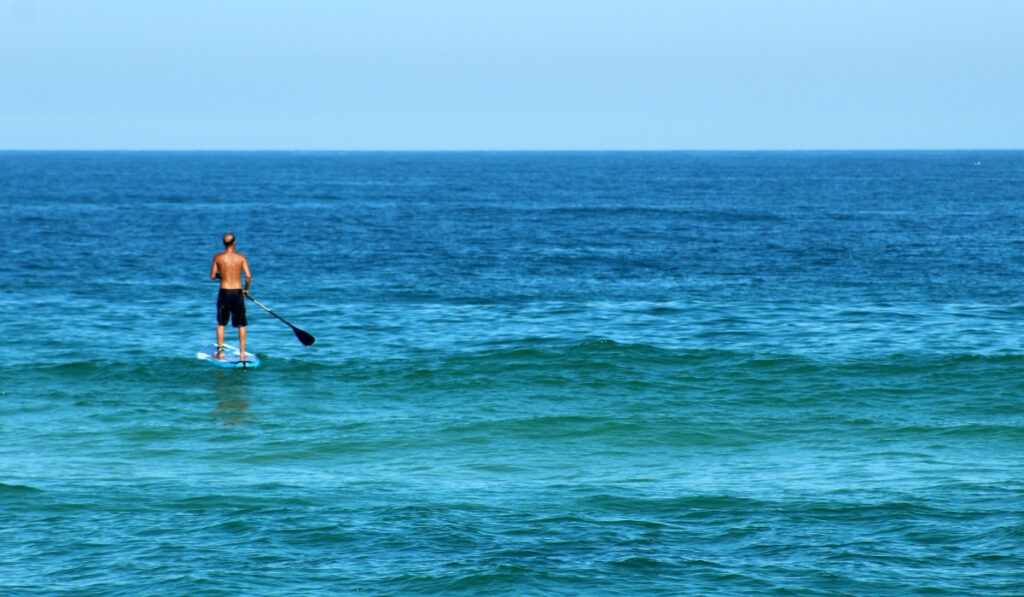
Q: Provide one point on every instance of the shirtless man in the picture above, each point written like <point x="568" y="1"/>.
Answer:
<point x="228" y="266"/>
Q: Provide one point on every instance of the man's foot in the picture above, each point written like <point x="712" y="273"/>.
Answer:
<point x="219" y="355"/>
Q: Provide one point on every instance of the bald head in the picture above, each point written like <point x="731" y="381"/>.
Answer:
<point x="229" y="240"/>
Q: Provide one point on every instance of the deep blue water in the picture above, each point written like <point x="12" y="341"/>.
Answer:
<point x="535" y="373"/>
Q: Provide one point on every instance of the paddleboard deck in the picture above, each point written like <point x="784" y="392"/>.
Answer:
<point x="229" y="358"/>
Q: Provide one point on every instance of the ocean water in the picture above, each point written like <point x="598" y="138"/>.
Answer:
<point x="535" y="374"/>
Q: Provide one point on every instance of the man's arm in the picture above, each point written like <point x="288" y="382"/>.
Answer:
<point x="248" y="276"/>
<point x="214" y="272"/>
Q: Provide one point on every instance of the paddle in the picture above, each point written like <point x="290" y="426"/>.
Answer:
<point x="304" y="337"/>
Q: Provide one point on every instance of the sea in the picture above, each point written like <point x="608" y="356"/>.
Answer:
<point x="535" y="373"/>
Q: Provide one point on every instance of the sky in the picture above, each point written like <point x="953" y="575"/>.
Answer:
<point x="511" y="74"/>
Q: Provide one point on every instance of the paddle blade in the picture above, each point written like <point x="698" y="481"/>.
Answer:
<point x="305" y="338"/>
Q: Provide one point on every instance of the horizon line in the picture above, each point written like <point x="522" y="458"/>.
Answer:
<point x="300" y="150"/>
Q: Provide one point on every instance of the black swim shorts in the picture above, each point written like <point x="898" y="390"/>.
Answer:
<point x="231" y="304"/>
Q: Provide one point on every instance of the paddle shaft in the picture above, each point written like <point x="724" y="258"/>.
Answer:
<point x="303" y="337"/>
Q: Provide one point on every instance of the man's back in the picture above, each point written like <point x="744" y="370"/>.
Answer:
<point x="230" y="265"/>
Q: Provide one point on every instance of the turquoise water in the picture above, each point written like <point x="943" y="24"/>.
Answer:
<point x="535" y="373"/>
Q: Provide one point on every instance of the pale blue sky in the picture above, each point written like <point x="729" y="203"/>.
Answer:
<point x="511" y="74"/>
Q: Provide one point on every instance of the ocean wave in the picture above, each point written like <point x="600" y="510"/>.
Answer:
<point x="547" y="362"/>
<point x="15" y="489"/>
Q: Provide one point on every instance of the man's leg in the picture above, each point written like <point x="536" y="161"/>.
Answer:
<point x="220" y="341"/>
<point x="241" y="342"/>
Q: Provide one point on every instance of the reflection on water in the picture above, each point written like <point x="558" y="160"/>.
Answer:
<point x="231" y="392"/>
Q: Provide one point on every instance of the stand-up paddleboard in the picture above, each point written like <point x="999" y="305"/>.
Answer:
<point x="229" y="358"/>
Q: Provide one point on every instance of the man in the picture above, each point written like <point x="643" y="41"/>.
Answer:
<point x="229" y="266"/>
